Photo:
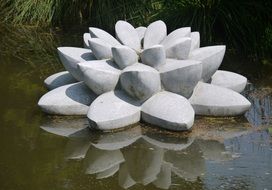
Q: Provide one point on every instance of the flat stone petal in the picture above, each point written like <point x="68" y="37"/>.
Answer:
<point x="72" y="99"/>
<point x="59" y="79"/>
<point x="179" y="49"/>
<point x="128" y="35"/>
<point x="168" y="110"/>
<point x="140" y="81"/>
<point x="103" y="35"/>
<point x="100" y="49"/>
<point x="86" y="38"/>
<point x="113" y="110"/>
<point x="154" y="56"/>
<point x="141" y="32"/>
<point x="211" y="58"/>
<point x="163" y="180"/>
<point x="71" y="56"/>
<point x="180" y="76"/>
<point x="101" y="76"/>
<point x="175" y="35"/>
<point x="195" y="43"/>
<point x="108" y="173"/>
<point x="229" y="80"/>
<point x="154" y="34"/>
<point x="209" y="99"/>
<point x="124" y="56"/>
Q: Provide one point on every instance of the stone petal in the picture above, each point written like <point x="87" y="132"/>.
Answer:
<point x="211" y="58"/>
<point x="175" y="35"/>
<point x="124" y="56"/>
<point x="86" y="38"/>
<point x="141" y="32"/>
<point x="103" y="35"/>
<point x="109" y="172"/>
<point x="59" y="79"/>
<point x="113" y="110"/>
<point x="209" y="99"/>
<point x="154" y="34"/>
<point x="100" y="76"/>
<point x="100" y="49"/>
<point x="179" y="49"/>
<point x="180" y="76"/>
<point x="195" y="43"/>
<point x="71" y="56"/>
<point x="128" y="35"/>
<point x="168" y="110"/>
<point x="72" y="99"/>
<point x="140" y="81"/>
<point x="154" y="56"/>
<point x="229" y="80"/>
<point x="163" y="180"/>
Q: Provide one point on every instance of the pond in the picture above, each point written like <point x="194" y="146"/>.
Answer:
<point x="45" y="152"/>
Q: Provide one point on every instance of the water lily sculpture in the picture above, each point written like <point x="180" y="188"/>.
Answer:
<point x="143" y="74"/>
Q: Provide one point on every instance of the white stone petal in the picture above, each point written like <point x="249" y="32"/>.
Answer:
<point x="195" y="43"/>
<point x="72" y="99"/>
<point x="100" y="49"/>
<point x="229" y="80"/>
<point x="175" y="35"/>
<point x="128" y="35"/>
<point x="154" y="56"/>
<point x="141" y="32"/>
<point x="100" y="76"/>
<point x="113" y="110"/>
<point x="154" y="34"/>
<point x="140" y="81"/>
<point x="211" y="58"/>
<point x="180" y="76"/>
<point x="86" y="38"/>
<point x="59" y="79"/>
<point x="103" y="35"/>
<point x="209" y="99"/>
<point x="124" y="56"/>
<point x="108" y="173"/>
<point x="168" y="110"/>
<point x="71" y="56"/>
<point x="163" y="180"/>
<point x="179" y="49"/>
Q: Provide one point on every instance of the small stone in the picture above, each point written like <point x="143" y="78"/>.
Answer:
<point x="124" y="56"/>
<point x="100" y="76"/>
<point x="154" y="34"/>
<point x="169" y="111"/>
<point x="195" y="43"/>
<point x="154" y="56"/>
<point x="229" y="80"/>
<point x="140" y="81"/>
<point x="103" y="35"/>
<point x="175" y="35"/>
<point x="72" y="99"/>
<point x="59" y="79"/>
<point x="179" y="49"/>
<point x="86" y="38"/>
<point x="208" y="99"/>
<point x="100" y="49"/>
<point x="141" y="32"/>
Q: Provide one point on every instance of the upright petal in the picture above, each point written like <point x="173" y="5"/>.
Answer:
<point x="103" y="35"/>
<point x="154" y="56"/>
<point x="179" y="49"/>
<point x="154" y="34"/>
<point x="195" y="43"/>
<point x="124" y="56"/>
<point x="100" y="49"/>
<point x="175" y="35"/>
<point x="86" y="38"/>
<point x="141" y="32"/>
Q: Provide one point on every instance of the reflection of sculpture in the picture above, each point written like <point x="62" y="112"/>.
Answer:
<point x="144" y="74"/>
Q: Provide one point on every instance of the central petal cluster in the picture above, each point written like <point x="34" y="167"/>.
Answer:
<point x="146" y="74"/>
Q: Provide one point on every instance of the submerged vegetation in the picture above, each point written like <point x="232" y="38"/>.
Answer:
<point x="244" y="26"/>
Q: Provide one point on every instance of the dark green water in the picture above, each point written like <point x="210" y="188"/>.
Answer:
<point x="229" y="153"/>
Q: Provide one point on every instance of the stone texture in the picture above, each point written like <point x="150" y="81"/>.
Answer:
<point x="71" y="56"/>
<point x="229" y="80"/>
<point x="140" y="81"/>
<point x="113" y="110"/>
<point x="59" y="79"/>
<point x="180" y="76"/>
<point x="103" y="35"/>
<point x="209" y="99"/>
<point x="101" y="76"/>
<point x="211" y="58"/>
<point x="154" y="56"/>
<point x="141" y="32"/>
<point x="100" y="49"/>
<point x="195" y="40"/>
<point x="72" y="99"/>
<point x="168" y="110"/>
<point x="179" y="49"/>
<point x="154" y="34"/>
<point x="86" y="38"/>
<point x="124" y="56"/>
<point x="175" y="35"/>
<point x="128" y="35"/>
